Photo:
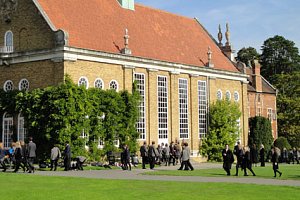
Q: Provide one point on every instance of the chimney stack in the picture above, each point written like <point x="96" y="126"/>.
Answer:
<point x="257" y="82"/>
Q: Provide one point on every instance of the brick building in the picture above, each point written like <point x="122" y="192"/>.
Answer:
<point x="261" y="95"/>
<point x="106" y="44"/>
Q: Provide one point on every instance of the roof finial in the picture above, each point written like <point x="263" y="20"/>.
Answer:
<point x="209" y="58"/>
<point x="227" y="35"/>
<point x="126" y="49"/>
<point x="220" y="36"/>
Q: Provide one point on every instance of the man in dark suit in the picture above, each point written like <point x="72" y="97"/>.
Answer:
<point x="144" y="154"/>
<point x="31" y="155"/>
<point x="67" y="158"/>
<point x="152" y="155"/>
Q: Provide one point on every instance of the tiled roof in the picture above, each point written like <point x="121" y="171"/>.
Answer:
<point x="154" y="34"/>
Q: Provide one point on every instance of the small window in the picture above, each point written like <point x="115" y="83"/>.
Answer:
<point x="24" y="85"/>
<point x="8" y="86"/>
<point x="219" y="95"/>
<point x="83" y="81"/>
<point x="98" y="83"/>
<point x="8" y="40"/>
<point x="113" y="85"/>
<point x="228" y="95"/>
<point x="237" y="96"/>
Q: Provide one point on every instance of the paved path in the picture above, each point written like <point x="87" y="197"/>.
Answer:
<point x="136" y="174"/>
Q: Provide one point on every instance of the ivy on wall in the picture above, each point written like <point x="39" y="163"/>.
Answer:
<point x="57" y="114"/>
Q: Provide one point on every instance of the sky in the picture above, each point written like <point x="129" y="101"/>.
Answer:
<point x="251" y="22"/>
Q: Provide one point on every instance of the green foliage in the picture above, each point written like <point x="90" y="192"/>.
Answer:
<point x="247" y="55"/>
<point x="288" y="106"/>
<point x="281" y="143"/>
<point x="67" y="112"/>
<point x="223" y="129"/>
<point x="279" y="55"/>
<point x="260" y="132"/>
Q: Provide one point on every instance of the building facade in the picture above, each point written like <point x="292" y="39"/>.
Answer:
<point x="108" y="44"/>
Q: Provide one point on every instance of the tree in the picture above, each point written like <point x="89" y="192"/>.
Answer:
<point x="247" y="55"/>
<point x="260" y="132"/>
<point x="288" y="106"/>
<point x="223" y="129"/>
<point x="281" y="143"/>
<point x="279" y="55"/>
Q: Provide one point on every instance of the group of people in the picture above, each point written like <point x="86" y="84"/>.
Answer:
<point x="20" y="154"/>
<point x="166" y="154"/>
<point x="246" y="156"/>
<point x="290" y="156"/>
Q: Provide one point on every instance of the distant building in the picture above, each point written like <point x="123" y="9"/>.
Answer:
<point x="108" y="44"/>
<point x="261" y="95"/>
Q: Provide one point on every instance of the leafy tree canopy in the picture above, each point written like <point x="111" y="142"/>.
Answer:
<point x="247" y="55"/>
<point x="279" y="55"/>
<point x="223" y="129"/>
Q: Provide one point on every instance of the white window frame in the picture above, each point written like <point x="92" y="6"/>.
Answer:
<point x="183" y="104"/>
<point x="202" y="109"/>
<point x="22" y="86"/>
<point x="11" y="44"/>
<point x="116" y="83"/>
<point x="162" y="108"/>
<point x="22" y="132"/>
<point x="228" y="95"/>
<point x="269" y="114"/>
<point x="7" y="130"/>
<point x="6" y="84"/>
<point x="221" y="94"/>
<point x="236" y="96"/>
<point x="81" y="81"/>
<point x="140" y="78"/>
<point x="100" y="81"/>
<point x="259" y="111"/>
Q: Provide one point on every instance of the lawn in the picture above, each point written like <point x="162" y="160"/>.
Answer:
<point x="289" y="172"/>
<point x="28" y="186"/>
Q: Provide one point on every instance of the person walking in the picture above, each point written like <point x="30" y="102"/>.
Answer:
<point x="238" y="152"/>
<point x="166" y="152"/>
<point x="67" y="157"/>
<point x="31" y="155"/>
<point x="2" y="157"/>
<point x="55" y="155"/>
<point x="227" y="159"/>
<point x="247" y="162"/>
<point x="18" y="156"/>
<point x="126" y="154"/>
<point x="275" y="158"/>
<point x="185" y="157"/>
<point x="152" y="155"/>
<point x="262" y="155"/>
<point x="144" y="154"/>
<point x="254" y="155"/>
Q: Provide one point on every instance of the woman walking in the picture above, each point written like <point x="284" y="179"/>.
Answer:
<point x="275" y="155"/>
<point x="262" y="155"/>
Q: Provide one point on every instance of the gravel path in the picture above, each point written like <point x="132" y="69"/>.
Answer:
<point x="136" y="174"/>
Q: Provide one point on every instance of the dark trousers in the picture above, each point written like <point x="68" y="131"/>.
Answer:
<point x="151" y="162"/>
<point x="144" y="159"/>
<point x="2" y="162"/>
<point x="53" y="164"/>
<point x="30" y="164"/>
<point x="67" y="163"/>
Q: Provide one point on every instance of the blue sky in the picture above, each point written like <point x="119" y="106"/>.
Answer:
<point x="251" y="22"/>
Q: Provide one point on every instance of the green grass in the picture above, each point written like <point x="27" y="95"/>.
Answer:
<point x="27" y="186"/>
<point x="289" y="172"/>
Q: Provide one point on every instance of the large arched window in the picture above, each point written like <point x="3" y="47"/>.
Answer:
<point x="9" y="41"/>
<point x="7" y="130"/>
